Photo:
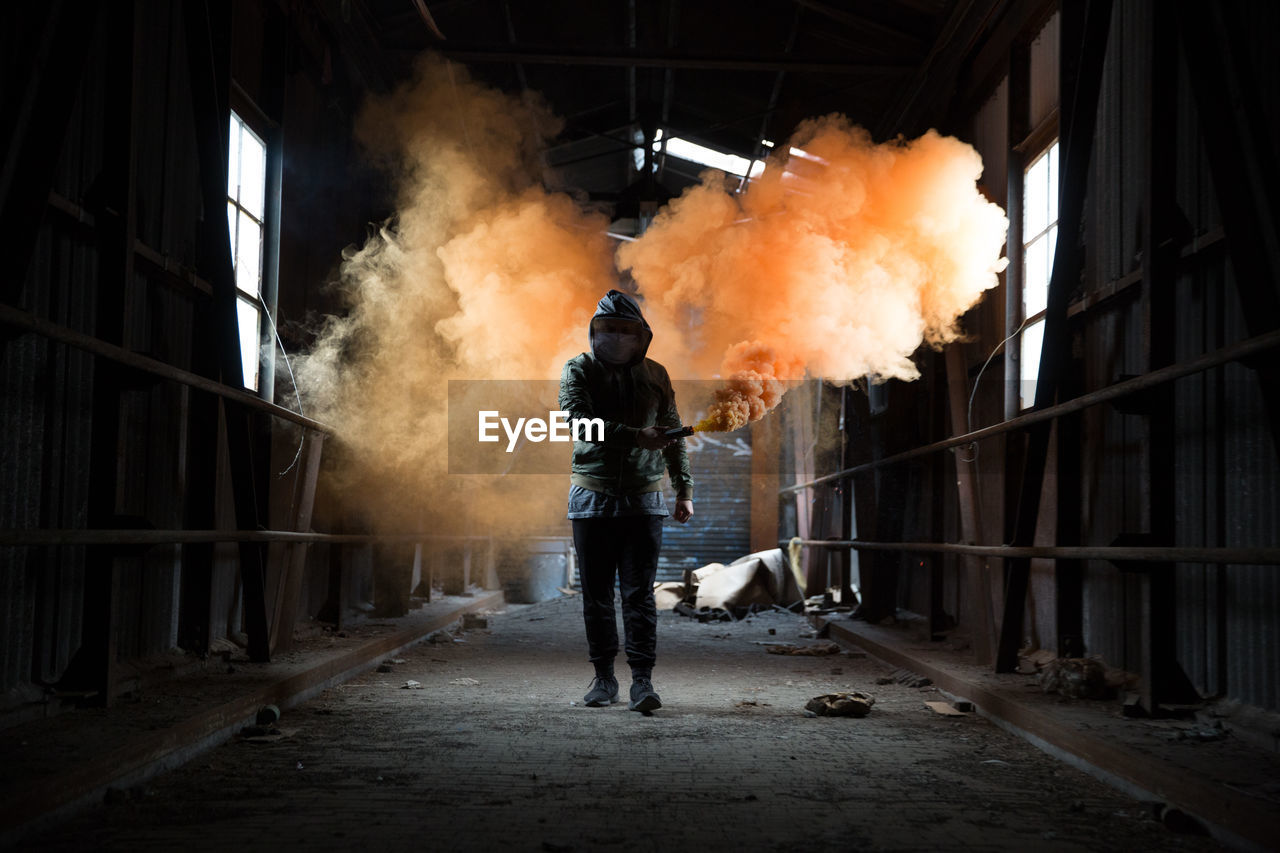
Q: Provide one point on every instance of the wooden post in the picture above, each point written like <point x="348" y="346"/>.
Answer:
<point x="766" y="479"/>
<point x="977" y="586"/>
<point x="285" y="615"/>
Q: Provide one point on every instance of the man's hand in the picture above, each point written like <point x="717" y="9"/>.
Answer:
<point x="684" y="511"/>
<point x="651" y="438"/>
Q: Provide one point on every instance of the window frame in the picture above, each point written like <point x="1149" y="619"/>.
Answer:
<point x="1050" y="149"/>
<point x="238" y="122"/>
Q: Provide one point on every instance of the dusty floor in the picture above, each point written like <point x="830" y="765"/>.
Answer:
<point x="496" y="751"/>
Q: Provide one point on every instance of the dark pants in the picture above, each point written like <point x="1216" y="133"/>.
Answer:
<point x="628" y="549"/>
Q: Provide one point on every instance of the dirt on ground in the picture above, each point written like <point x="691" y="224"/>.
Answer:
<point x="493" y="749"/>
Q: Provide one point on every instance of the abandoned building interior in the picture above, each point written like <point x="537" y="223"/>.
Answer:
<point x="973" y="308"/>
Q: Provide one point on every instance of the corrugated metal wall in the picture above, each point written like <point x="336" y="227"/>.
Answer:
<point x="1227" y="475"/>
<point x="721" y="468"/>
<point x="1228" y="490"/>
<point x="47" y="420"/>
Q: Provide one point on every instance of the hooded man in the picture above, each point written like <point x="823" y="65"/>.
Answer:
<point x="615" y="496"/>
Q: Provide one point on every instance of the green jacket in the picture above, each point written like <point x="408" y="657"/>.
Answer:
<point x="627" y="398"/>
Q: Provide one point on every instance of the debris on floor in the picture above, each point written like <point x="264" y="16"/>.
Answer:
<point x="265" y="734"/>
<point x="855" y="704"/>
<point x="1198" y="734"/>
<point x="668" y="594"/>
<point x="704" y="614"/>
<point x="411" y="685"/>
<point x="1031" y="662"/>
<point x="474" y="622"/>
<point x="812" y="650"/>
<point x="465" y="682"/>
<point x="758" y="580"/>
<point x="944" y="709"/>
<point x="910" y="679"/>
<point x="1076" y="678"/>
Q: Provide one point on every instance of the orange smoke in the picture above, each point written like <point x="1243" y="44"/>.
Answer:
<point x="756" y="384"/>
<point x="840" y="259"/>
<point x="481" y="275"/>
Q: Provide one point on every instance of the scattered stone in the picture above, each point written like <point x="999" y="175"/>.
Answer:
<point x="943" y="709"/>
<point x="884" y="679"/>
<point x="465" y="682"/>
<point x="474" y="622"/>
<point x="1133" y="706"/>
<point x="411" y="685"/>
<point x="996" y="762"/>
<point x="1075" y="678"/>
<point x="853" y="704"/>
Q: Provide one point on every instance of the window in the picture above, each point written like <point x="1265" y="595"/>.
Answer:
<point x="246" y="206"/>
<point x="704" y="156"/>
<point x="1040" y="238"/>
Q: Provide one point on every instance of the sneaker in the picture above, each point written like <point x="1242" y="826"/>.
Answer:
<point x="643" y="696"/>
<point x="604" y="691"/>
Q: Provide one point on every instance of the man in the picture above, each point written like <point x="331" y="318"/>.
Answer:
<point x="615" y="496"/>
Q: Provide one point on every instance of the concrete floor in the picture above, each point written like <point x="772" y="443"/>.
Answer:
<point x="496" y="751"/>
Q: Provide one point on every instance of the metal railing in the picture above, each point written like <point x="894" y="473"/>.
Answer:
<point x="10" y="316"/>
<point x="1235" y="352"/>
<point x="1114" y="553"/>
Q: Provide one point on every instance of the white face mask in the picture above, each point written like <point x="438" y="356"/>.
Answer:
<point x="616" y="347"/>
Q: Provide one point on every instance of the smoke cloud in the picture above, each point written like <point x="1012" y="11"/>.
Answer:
<point x="840" y="259"/>
<point x="482" y="274"/>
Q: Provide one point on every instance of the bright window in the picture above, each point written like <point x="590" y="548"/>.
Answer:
<point x="246" y="206"/>
<point x="702" y="155"/>
<point x="1040" y="238"/>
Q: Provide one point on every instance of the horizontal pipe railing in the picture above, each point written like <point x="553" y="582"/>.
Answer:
<point x="11" y="316"/>
<point x="1235" y="352"/>
<point x="21" y="538"/>
<point x="1114" y="553"/>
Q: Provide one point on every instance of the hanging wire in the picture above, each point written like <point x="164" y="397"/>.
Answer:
<point x="968" y="420"/>
<point x="275" y="332"/>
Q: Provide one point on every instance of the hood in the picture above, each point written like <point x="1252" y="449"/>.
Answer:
<point x="617" y="305"/>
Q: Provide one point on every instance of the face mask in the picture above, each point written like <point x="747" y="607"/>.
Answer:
<point x="616" y="347"/>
